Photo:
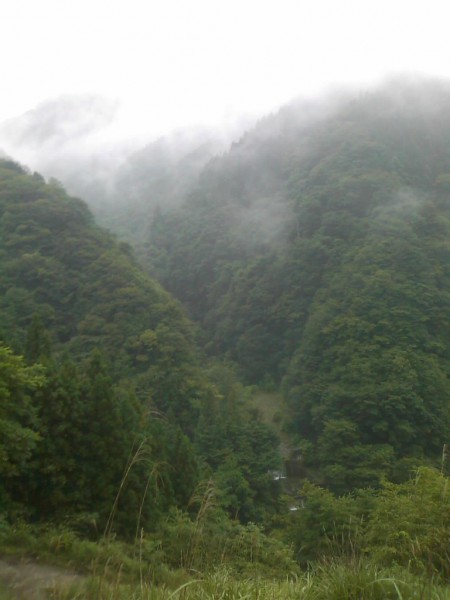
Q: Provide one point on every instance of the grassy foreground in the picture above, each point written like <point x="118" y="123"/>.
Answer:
<point x="115" y="571"/>
<point x="336" y="582"/>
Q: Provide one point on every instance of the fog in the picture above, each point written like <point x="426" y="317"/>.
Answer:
<point x="89" y="89"/>
<point x="64" y="136"/>
<point x="174" y="64"/>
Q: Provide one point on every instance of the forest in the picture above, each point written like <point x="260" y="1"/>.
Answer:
<point x="226" y="375"/>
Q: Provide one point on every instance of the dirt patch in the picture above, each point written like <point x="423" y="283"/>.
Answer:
<point x="28" y="580"/>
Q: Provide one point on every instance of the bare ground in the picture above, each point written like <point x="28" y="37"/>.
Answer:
<point x="27" y="580"/>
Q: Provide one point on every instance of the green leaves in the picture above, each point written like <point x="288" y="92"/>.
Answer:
<point x="347" y="301"/>
<point x="410" y="523"/>
<point x="400" y="524"/>
<point x="18" y="423"/>
<point x="367" y="355"/>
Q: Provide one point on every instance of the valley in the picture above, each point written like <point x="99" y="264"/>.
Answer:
<point x="241" y="388"/>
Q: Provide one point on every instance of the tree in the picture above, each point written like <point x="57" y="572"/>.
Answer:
<point x="19" y="425"/>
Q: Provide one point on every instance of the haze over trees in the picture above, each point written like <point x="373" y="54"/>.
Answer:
<point x="119" y="370"/>
<point x="316" y="255"/>
<point x="311" y="261"/>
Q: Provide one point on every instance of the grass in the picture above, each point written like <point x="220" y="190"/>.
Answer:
<point x="5" y="594"/>
<point x="117" y="571"/>
<point x="331" y="582"/>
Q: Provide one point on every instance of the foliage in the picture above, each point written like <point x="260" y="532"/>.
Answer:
<point x="97" y="460"/>
<point x="327" y="525"/>
<point x="82" y="286"/>
<point x="410" y="524"/>
<point x="211" y="540"/>
<point x="316" y="253"/>
<point x="209" y="555"/>
<point x="405" y="524"/>
<point x="240" y="449"/>
<point x="332" y="582"/>
<point x="108" y="440"/>
<point x="313" y="255"/>
<point x="18" y="428"/>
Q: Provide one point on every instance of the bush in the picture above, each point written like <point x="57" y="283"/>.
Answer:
<point x="410" y="524"/>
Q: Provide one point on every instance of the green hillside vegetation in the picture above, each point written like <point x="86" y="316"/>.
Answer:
<point x="389" y="544"/>
<point x="303" y="294"/>
<point x="315" y="255"/>
<point x="152" y="180"/>
<point x="104" y="400"/>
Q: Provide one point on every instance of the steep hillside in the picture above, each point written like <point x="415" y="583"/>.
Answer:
<point x="110" y="383"/>
<point x="317" y="252"/>
<point x="315" y="259"/>
<point x="58" y="264"/>
<point x="152" y="180"/>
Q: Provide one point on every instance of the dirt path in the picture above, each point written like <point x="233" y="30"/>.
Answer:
<point x="28" y="580"/>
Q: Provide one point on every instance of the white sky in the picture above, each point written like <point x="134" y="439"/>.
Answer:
<point x="178" y="62"/>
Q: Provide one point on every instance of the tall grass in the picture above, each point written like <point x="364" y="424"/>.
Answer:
<point x="327" y="582"/>
<point x="5" y="594"/>
<point x="114" y="572"/>
<point x="207" y="557"/>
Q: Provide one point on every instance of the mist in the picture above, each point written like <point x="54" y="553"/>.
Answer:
<point x="64" y="138"/>
<point x="246" y="164"/>
<point x="88" y="85"/>
<point x="81" y="141"/>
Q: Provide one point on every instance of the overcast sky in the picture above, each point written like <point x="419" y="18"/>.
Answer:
<point x="176" y="62"/>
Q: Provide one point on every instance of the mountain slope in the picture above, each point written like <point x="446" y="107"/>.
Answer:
<point x="317" y="252"/>
<point x="110" y="384"/>
<point x="57" y="263"/>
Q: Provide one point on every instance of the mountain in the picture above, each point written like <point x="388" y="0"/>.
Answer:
<point x="315" y="254"/>
<point x="313" y="257"/>
<point x="101" y="379"/>
<point x="68" y="138"/>
<point x="59" y="121"/>
<point x="311" y="261"/>
<point x="155" y="179"/>
<point x="57" y="263"/>
<point x="77" y="139"/>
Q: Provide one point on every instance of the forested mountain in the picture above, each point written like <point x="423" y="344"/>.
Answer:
<point x="110" y="382"/>
<point x="66" y="137"/>
<point x="154" y="179"/>
<point x="124" y="178"/>
<point x="307" y="268"/>
<point x="59" y="265"/>
<point x="316" y="254"/>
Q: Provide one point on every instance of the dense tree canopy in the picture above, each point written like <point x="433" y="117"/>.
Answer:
<point x="316" y="253"/>
<point x="314" y="261"/>
<point x="100" y="418"/>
